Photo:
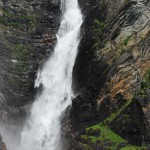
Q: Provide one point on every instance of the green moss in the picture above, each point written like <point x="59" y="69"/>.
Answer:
<point x="122" y="46"/>
<point x="21" y="68"/>
<point x="92" y="139"/>
<point x="105" y="133"/>
<point x="126" y="40"/>
<point x="85" y="146"/>
<point x="145" y="84"/>
<point x="98" y="28"/>
<point x="114" y="115"/>
<point x="5" y="21"/>
<point x="124" y="119"/>
<point x="19" y="24"/>
<point x="2" y="20"/>
<point x="18" y="20"/>
<point x="21" y="51"/>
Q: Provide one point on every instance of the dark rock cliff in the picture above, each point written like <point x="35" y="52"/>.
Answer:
<point x="2" y="144"/>
<point x="111" y="69"/>
<point x="28" y="35"/>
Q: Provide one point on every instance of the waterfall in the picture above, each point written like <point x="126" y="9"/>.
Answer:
<point x="42" y="130"/>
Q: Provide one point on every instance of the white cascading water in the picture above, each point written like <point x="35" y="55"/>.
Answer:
<point x="42" y="130"/>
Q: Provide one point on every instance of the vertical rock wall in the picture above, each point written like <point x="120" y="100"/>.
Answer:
<point x="27" y="37"/>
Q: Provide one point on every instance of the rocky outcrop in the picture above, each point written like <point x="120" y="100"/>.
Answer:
<point x="127" y="121"/>
<point x="28" y="35"/>
<point x="86" y="66"/>
<point x="131" y="124"/>
<point x="111" y="65"/>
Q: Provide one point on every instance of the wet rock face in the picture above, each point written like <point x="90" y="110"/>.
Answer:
<point x="28" y="30"/>
<point x="111" y="66"/>
<point x="85" y="72"/>
<point x="83" y="111"/>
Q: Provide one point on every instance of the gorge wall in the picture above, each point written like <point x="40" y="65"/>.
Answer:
<point x="111" y="76"/>
<point x="28" y="35"/>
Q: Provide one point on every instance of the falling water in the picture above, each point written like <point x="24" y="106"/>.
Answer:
<point x="42" y="130"/>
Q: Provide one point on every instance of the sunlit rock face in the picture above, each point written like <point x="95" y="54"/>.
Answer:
<point x="113" y="60"/>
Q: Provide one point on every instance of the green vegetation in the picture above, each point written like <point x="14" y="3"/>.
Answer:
<point x="101" y="133"/>
<point x="21" y="54"/>
<point x="15" y="26"/>
<point x="113" y="140"/>
<point x="114" y="115"/>
<point x="126" y="40"/>
<point x="2" y="20"/>
<point x="98" y="28"/>
<point x="21" y="51"/>
<point x="145" y="84"/>
<point x="21" y="68"/>
<point x="124" y="119"/>
<point x="85" y="146"/>
<point x="18" y="20"/>
<point x="122" y="46"/>
<point x="105" y="134"/>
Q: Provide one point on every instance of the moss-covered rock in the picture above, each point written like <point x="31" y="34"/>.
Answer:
<point x="102" y="135"/>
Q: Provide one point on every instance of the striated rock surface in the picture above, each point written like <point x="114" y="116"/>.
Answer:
<point x="27" y="37"/>
<point x="113" y="67"/>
